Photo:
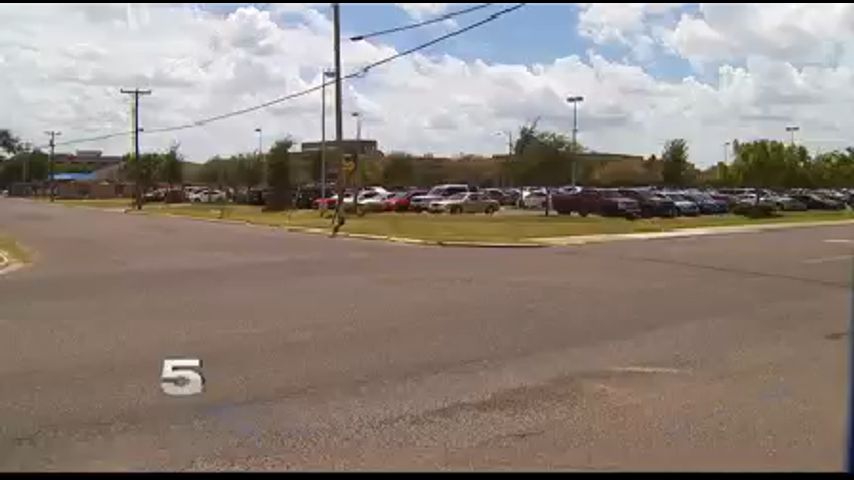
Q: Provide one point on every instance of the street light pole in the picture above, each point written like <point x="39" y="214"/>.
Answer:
<point x="358" y="117"/>
<point x="357" y="187"/>
<point x="574" y="101"/>
<point x="792" y="131"/>
<point x="260" y="144"/>
<point x="726" y="152"/>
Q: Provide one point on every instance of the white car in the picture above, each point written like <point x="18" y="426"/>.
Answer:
<point x="534" y="199"/>
<point x="372" y="200"/>
<point x="207" y="196"/>
<point x="420" y="203"/>
<point x="469" y="202"/>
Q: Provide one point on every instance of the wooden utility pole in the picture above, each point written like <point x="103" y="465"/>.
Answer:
<point x="137" y="170"/>
<point x="51" y="181"/>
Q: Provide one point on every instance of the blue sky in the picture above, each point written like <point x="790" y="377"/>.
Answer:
<point x="537" y="33"/>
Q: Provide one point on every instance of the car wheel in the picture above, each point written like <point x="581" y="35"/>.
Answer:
<point x="491" y="210"/>
<point x="583" y="213"/>
<point x="456" y="210"/>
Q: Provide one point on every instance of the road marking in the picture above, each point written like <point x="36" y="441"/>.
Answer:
<point x="828" y="259"/>
<point x="838" y="240"/>
<point x="638" y="369"/>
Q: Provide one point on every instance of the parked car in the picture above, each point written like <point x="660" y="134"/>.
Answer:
<point x="534" y="199"/>
<point x="371" y="200"/>
<point x="816" y="202"/>
<point x="469" y="202"/>
<point x="156" y="195"/>
<point x="420" y="203"/>
<point x="305" y="195"/>
<point x="707" y="203"/>
<point x="207" y="196"/>
<point x="512" y="196"/>
<point x="787" y="203"/>
<point x="684" y="206"/>
<point x="495" y="194"/>
<point x="651" y="204"/>
<point x="600" y="201"/>
<point x="399" y="201"/>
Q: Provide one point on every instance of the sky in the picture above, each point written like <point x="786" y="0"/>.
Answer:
<point x="708" y="73"/>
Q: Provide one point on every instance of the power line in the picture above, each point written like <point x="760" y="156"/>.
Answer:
<point x="436" y="40"/>
<point x="356" y="74"/>
<point x="420" y="24"/>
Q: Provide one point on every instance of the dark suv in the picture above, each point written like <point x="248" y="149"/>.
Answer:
<point x="605" y="202"/>
<point x="651" y="205"/>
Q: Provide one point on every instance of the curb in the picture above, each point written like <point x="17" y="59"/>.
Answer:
<point x="7" y="265"/>
<point x="491" y="245"/>
<point x="684" y="232"/>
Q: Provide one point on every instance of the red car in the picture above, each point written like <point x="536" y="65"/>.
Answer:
<point x="399" y="202"/>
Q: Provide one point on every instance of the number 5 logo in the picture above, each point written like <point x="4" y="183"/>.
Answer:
<point x="181" y="376"/>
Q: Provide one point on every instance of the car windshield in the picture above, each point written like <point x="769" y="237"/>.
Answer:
<point x="458" y="196"/>
<point x="677" y="197"/>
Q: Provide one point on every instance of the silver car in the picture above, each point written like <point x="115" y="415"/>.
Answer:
<point x="471" y="202"/>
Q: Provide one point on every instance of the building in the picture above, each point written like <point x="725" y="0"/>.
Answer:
<point x="85" y="160"/>
<point x="306" y="163"/>
<point x="361" y="147"/>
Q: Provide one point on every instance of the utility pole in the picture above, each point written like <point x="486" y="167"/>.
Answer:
<point x="137" y="187"/>
<point x="326" y="74"/>
<point x="726" y="152"/>
<point x="338" y="219"/>
<point x="52" y="184"/>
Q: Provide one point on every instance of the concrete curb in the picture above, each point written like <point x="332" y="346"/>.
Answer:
<point x="684" y="232"/>
<point x="7" y="265"/>
<point x="491" y="244"/>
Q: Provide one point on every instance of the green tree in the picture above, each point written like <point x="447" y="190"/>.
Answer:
<point x="543" y="158"/>
<point x="249" y="170"/>
<point x="675" y="167"/>
<point x="279" y="175"/>
<point x="143" y="171"/>
<point x="398" y="170"/>
<point x="171" y="168"/>
<point x="9" y="143"/>
<point x="220" y="172"/>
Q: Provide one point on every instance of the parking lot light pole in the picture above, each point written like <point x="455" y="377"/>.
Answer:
<point x="575" y="100"/>
<point x="792" y="131"/>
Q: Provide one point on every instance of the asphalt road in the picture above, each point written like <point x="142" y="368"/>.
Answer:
<point x="708" y="353"/>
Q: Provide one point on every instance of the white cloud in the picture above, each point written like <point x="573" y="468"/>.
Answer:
<point x="63" y="67"/>
<point x="800" y="33"/>
<point x="628" y="24"/>
<point x="420" y="11"/>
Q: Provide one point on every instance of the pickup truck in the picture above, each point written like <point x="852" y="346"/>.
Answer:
<point x="600" y="201"/>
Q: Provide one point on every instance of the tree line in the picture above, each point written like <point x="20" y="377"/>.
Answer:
<point x="539" y="157"/>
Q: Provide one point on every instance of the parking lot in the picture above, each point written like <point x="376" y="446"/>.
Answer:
<point x="724" y="352"/>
